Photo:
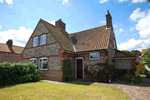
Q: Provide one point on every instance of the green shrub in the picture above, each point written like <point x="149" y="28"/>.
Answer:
<point x="18" y="73"/>
<point x="130" y="78"/>
<point x="67" y="69"/>
<point x="99" y="70"/>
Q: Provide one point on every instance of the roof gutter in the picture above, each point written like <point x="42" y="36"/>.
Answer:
<point x="72" y="44"/>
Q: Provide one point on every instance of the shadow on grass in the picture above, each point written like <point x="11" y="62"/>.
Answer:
<point x="10" y="85"/>
<point x="145" y="83"/>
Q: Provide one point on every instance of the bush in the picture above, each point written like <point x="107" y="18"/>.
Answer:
<point x="130" y="78"/>
<point x="99" y="70"/>
<point x="18" y="73"/>
<point x="67" y="70"/>
<point x="143" y="71"/>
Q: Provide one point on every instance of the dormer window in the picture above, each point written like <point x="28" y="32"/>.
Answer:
<point x="35" y="41"/>
<point x="43" y="40"/>
<point x="94" y="56"/>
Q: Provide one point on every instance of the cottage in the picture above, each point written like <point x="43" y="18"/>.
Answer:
<point x="50" y="45"/>
<point x="9" y="52"/>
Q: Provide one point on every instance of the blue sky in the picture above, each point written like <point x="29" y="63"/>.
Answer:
<point x="131" y="19"/>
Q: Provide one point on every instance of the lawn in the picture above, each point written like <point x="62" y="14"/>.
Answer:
<point x="142" y="75"/>
<point x="49" y="91"/>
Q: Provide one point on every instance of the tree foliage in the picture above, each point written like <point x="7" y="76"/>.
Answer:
<point x="148" y="0"/>
<point x="135" y="52"/>
<point x="146" y="57"/>
<point x="126" y="51"/>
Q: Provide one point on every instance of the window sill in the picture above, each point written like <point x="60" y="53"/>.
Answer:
<point x="35" y="46"/>
<point x="43" y="69"/>
<point x="42" y="44"/>
<point x="95" y="59"/>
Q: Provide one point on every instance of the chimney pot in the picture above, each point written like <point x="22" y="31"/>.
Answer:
<point x="107" y="11"/>
<point x="60" y="24"/>
<point x="9" y="43"/>
<point x="109" y="20"/>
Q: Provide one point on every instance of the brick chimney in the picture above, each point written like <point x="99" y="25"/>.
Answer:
<point x="60" y="24"/>
<point x="109" y="20"/>
<point x="9" y="43"/>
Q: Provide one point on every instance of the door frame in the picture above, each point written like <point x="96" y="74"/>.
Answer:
<point x="76" y="66"/>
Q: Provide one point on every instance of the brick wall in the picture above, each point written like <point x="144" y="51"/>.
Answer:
<point x="10" y="58"/>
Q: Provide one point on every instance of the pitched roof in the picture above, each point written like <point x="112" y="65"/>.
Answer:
<point x="120" y="54"/>
<point x="91" y="39"/>
<point x="61" y="36"/>
<point x="14" y="49"/>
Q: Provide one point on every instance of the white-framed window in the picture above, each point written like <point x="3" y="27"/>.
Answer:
<point x="43" y="63"/>
<point x="6" y="55"/>
<point x="94" y="56"/>
<point x="43" y="40"/>
<point x="33" y="60"/>
<point x="35" y="41"/>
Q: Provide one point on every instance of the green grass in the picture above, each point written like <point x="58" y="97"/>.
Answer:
<point x="49" y="91"/>
<point x="142" y="75"/>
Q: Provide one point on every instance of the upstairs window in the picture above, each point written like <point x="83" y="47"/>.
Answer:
<point x="43" y="63"/>
<point x="6" y="55"/>
<point x="35" y="41"/>
<point x="43" y="40"/>
<point x="33" y="60"/>
<point x="94" y="56"/>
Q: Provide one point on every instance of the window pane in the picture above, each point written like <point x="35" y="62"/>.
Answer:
<point x="40" y="65"/>
<point x="94" y="55"/>
<point x="35" y="61"/>
<point x="40" y="60"/>
<point x="45" y="60"/>
<point x="36" y="41"/>
<point x="41" y="40"/>
<point x="45" y="65"/>
<point x="31" y="60"/>
<point x="45" y="39"/>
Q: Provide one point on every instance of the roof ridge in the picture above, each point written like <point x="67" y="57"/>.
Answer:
<point x="13" y="45"/>
<point x="87" y="29"/>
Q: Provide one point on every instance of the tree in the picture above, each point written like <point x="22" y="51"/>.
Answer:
<point x="135" y="52"/>
<point x="146" y="57"/>
<point x="148" y="1"/>
<point x="126" y="51"/>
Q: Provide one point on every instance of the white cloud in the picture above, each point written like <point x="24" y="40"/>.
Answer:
<point x="136" y="15"/>
<point x="0" y="26"/>
<point x="103" y="22"/>
<point x="52" y="22"/>
<point x="138" y="1"/>
<point x="65" y="2"/>
<point x="1" y="1"/>
<point x="142" y="20"/>
<point x="120" y="30"/>
<point x="122" y="1"/>
<point x="9" y="2"/>
<point x="22" y="34"/>
<point x="133" y="44"/>
<point x="132" y="28"/>
<point x="103" y="1"/>
<point x="115" y="25"/>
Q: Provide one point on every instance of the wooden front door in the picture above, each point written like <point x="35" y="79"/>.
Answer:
<point x="79" y="68"/>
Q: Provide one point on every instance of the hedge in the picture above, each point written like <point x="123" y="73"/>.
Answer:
<point x="18" y="73"/>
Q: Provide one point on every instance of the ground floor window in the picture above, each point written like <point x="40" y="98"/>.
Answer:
<point x="43" y="63"/>
<point x="33" y="60"/>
